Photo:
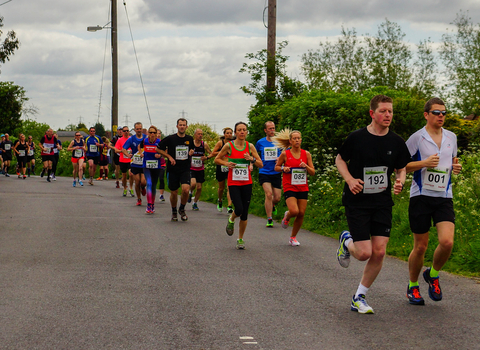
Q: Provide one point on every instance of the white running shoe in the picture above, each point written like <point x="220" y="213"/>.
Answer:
<point x="360" y="305"/>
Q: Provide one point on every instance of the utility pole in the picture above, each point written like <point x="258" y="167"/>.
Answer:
<point x="114" y="69"/>
<point x="271" y="49"/>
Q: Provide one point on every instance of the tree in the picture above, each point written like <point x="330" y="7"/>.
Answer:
<point x="460" y="53"/>
<point x="99" y="129"/>
<point x="354" y="63"/>
<point x="9" y="45"/>
<point x="285" y="87"/>
<point x="208" y="133"/>
<point x="32" y="127"/>
<point x="12" y="98"/>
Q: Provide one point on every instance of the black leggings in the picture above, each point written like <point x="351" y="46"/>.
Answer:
<point x="241" y="196"/>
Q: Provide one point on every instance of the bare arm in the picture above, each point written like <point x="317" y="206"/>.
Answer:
<point x="355" y="185"/>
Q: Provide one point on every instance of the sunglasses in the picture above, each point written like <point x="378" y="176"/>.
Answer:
<point x="125" y="130"/>
<point x="152" y="132"/>
<point x="437" y="112"/>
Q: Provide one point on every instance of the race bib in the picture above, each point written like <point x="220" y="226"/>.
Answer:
<point x="240" y="172"/>
<point x="375" y="179"/>
<point x="197" y="162"/>
<point x="151" y="164"/>
<point x="436" y="179"/>
<point x="137" y="160"/>
<point x="270" y="153"/>
<point x="181" y="152"/>
<point x="55" y="150"/>
<point x="7" y="147"/>
<point x="224" y="168"/>
<point x="30" y="153"/>
<point x="93" y="148"/>
<point x="47" y="150"/>
<point x="299" y="176"/>
<point x="78" y="153"/>
<point x="21" y="153"/>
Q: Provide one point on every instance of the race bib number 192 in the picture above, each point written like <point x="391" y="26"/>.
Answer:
<point x="375" y="179"/>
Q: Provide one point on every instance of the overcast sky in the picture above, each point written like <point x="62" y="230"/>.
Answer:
<point x="189" y="51"/>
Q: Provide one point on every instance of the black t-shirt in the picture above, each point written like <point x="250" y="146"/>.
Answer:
<point x="363" y="150"/>
<point x="176" y="147"/>
<point x="7" y="147"/>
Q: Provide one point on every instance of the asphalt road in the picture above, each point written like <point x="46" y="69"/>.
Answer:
<point x="84" y="268"/>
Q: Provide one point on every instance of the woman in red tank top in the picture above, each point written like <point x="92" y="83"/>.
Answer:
<point x="296" y="164"/>
<point x="242" y="155"/>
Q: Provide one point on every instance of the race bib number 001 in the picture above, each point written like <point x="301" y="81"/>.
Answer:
<point x="375" y="179"/>
<point x="436" y="179"/>
<point x="181" y="152"/>
<point x="240" y="172"/>
<point x="197" y="162"/>
<point x="270" y="153"/>
<point x="299" y="176"/>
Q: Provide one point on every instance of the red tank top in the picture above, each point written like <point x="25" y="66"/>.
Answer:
<point x="296" y="180"/>
<point x="240" y="175"/>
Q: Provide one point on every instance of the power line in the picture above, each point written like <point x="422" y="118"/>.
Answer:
<point x="6" y="2"/>
<point x="136" y="58"/>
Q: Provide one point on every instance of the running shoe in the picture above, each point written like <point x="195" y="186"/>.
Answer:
<point x="174" y="216"/>
<point x="24" y="177"/>
<point x="414" y="297"/>
<point x="54" y="178"/>
<point x="229" y="209"/>
<point x="343" y="255"/>
<point x="230" y="227"/>
<point x="83" y="177"/>
<point x="144" y="191"/>
<point x="90" y="182"/>
<point x="360" y="305"/>
<point x="274" y="210"/>
<point x="42" y="173"/>
<point x="99" y="178"/>
<point x="219" y="205"/>
<point x="74" y="183"/>
<point x="149" y="209"/>
<point x="7" y="175"/>
<point x="434" y="290"/>
<point x="162" y="198"/>
<point x="285" y="221"/>
<point x="194" y="206"/>
<point x="240" y="244"/>
<point x="183" y="215"/>
<point x="80" y="182"/>
<point x="124" y="193"/>
<point x="152" y="208"/>
<point x="48" y="179"/>
<point x="139" y="202"/>
<point x="131" y="193"/>
<point x="189" y="197"/>
<point x="293" y="242"/>
<point x="19" y="176"/>
<point x="118" y="185"/>
<point x="269" y="222"/>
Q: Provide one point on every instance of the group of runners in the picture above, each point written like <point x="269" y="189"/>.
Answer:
<point x="366" y="161"/>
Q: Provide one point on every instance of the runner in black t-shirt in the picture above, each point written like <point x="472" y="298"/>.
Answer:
<point x="6" y="147"/>
<point x="178" y="149"/>
<point x="366" y="161"/>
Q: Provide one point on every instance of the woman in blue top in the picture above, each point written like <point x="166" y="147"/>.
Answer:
<point x="151" y="166"/>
